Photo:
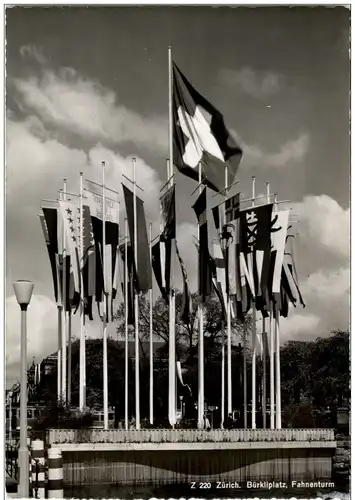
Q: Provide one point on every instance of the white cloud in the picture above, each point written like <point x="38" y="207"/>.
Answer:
<point x="328" y="286"/>
<point x="32" y="52"/>
<point x="258" y="84"/>
<point x="299" y="327"/>
<point x="42" y="336"/>
<point x="294" y="150"/>
<point x="325" y="223"/>
<point x="69" y="100"/>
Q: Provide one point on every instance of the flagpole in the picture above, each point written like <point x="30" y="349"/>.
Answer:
<point x="69" y="359"/>
<point x="136" y="309"/>
<point x="277" y="358"/>
<point x="172" y="340"/>
<point x="223" y="368"/>
<point x="271" y="353"/>
<point x="151" y="418"/>
<point x="60" y="238"/>
<point x="126" y="321"/>
<point x="82" y="381"/>
<point x="223" y="363"/>
<point x="64" y="335"/>
<point x="253" y="394"/>
<point x="172" y="355"/>
<point x="264" y="342"/>
<point x="201" y="387"/>
<point x="245" y="387"/>
<point x="104" y="322"/>
<point x="59" y="360"/>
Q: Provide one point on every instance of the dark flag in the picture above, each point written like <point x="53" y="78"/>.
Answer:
<point x="217" y="218"/>
<point x="201" y="136"/>
<point x="131" y="279"/>
<point x="52" y="230"/>
<point x="255" y="240"/>
<point x="111" y="244"/>
<point x="186" y="305"/>
<point x="290" y="291"/>
<point x="204" y="268"/>
<point x="143" y="265"/>
<point x="168" y="216"/>
<point x="157" y="268"/>
<point x="49" y="227"/>
<point x="89" y="263"/>
<point x="232" y="207"/>
<point x="218" y="270"/>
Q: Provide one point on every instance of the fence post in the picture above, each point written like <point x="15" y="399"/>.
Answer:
<point x="38" y="468"/>
<point x="55" y="473"/>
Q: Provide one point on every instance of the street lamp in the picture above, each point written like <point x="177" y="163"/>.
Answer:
<point x="23" y="291"/>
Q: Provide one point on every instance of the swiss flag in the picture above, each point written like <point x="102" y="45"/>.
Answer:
<point x="200" y="135"/>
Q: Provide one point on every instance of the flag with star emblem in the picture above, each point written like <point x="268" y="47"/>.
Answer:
<point x="201" y="136"/>
<point x="71" y="219"/>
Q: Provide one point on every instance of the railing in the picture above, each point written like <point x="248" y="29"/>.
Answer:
<point x="61" y="436"/>
<point x="11" y="457"/>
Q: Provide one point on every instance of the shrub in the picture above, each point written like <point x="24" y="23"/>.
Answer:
<point x="60" y="416"/>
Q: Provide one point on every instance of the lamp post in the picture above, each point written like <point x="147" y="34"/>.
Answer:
<point x="23" y="291"/>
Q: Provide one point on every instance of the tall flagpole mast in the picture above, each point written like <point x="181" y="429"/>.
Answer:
<point x="69" y="359"/>
<point x="82" y="381"/>
<point x="136" y="309"/>
<point x="264" y="341"/>
<point x="245" y="386"/>
<point x="64" y="334"/>
<point x="105" y="375"/>
<point x="170" y="172"/>
<point x="126" y="322"/>
<point x="60" y="310"/>
<point x="201" y="375"/>
<point x="277" y="358"/>
<point x="272" y="348"/>
<point x="223" y="364"/>
<point x="151" y="417"/>
<point x="253" y="396"/>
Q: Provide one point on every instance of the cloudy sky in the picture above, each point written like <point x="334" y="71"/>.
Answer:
<point x="91" y="84"/>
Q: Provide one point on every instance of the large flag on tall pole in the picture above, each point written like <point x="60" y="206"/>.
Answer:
<point x="201" y="136"/>
<point x="143" y="265"/>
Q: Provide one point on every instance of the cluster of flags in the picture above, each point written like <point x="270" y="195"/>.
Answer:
<point x="252" y="262"/>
